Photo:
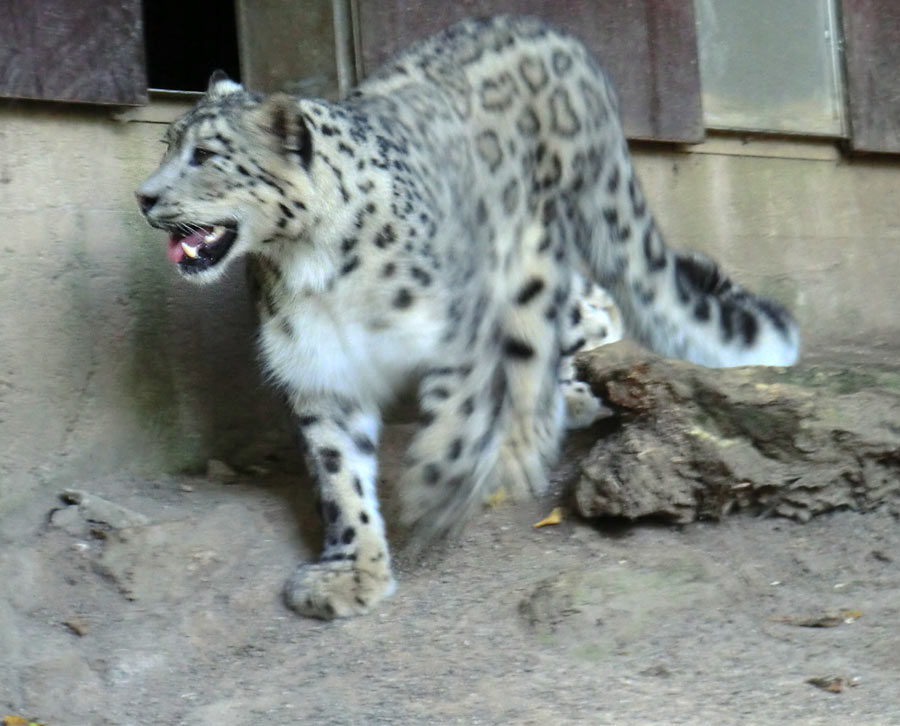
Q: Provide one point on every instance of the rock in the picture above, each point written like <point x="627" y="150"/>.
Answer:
<point x="11" y="640"/>
<point x="70" y="520"/>
<point x="694" y="442"/>
<point x="217" y="470"/>
<point x="594" y="614"/>
<point x="140" y="559"/>
<point x="96" y="509"/>
<point x="171" y="561"/>
<point x="551" y="602"/>
<point x="63" y="689"/>
<point x="77" y="625"/>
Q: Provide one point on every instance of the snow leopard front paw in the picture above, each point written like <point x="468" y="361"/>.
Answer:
<point x="583" y="408"/>
<point x="330" y="590"/>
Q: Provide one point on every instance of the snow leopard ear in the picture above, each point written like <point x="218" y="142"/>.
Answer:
<point x="221" y="85"/>
<point x="282" y="118"/>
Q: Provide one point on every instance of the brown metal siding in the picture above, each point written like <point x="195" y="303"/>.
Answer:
<point x="872" y="48"/>
<point x="73" y="50"/>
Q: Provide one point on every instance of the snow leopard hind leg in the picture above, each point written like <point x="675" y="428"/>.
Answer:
<point x="448" y="466"/>
<point x="496" y="421"/>
<point x="536" y="327"/>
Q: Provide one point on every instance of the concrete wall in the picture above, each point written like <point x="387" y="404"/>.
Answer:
<point x="794" y="220"/>
<point x="108" y="362"/>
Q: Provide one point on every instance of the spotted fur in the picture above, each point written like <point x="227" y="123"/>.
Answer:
<point x="451" y="220"/>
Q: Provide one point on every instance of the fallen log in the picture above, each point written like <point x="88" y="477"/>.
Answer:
<point x="691" y="443"/>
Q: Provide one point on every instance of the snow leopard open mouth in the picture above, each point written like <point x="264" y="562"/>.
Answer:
<point x="197" y="247"/>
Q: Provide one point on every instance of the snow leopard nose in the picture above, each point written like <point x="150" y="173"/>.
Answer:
<point x="146" y="202"/>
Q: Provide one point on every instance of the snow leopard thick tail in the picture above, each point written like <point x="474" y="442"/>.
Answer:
<point x="677" y="303"/>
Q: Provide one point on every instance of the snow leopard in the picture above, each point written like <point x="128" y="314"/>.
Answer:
<point x="447" y="223"/>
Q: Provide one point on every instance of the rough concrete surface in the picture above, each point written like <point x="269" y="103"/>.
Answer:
<point x="177" y="619"/>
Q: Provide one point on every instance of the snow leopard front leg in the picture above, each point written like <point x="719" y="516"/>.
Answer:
<point x="339" y="439"/>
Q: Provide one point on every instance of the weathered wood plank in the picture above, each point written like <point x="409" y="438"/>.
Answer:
<point x="872" y="50"/>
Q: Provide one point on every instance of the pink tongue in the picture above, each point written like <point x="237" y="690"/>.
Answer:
<point x="175" y="252"/>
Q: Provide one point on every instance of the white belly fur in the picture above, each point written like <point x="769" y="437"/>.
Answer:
<point x="331" y="353"/>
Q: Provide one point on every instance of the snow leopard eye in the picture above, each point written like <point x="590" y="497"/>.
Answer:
<point x="200" y="155"/>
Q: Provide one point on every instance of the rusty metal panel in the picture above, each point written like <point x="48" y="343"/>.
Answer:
<point x="73" y="50"/>
<point x="289" y="46"/>
<point x="872" y="48"/>
<point x="649" y="48"/>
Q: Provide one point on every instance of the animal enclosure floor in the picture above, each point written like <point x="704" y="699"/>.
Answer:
<point x="180" y="621"/>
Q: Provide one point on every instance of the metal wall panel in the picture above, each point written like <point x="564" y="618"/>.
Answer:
<point x="73" y="50"/>
<point x="872" y="40"/>
<point x="771" y="65"/>
<point x="289" y="46"/>
<point x="648" y="46"/>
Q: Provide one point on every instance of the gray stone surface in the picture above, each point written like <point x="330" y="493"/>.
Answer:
<point x="97" y="509"/>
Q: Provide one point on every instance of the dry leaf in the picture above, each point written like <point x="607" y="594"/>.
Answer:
<point x="555" y="517"/>
<point x="827" y="620"/>
<point x="77" y="625"/>
<point x="832" y="684"/>
<point x="498" y="497"/>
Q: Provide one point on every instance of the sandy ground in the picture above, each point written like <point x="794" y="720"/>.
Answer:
<point x="179" y="621"/>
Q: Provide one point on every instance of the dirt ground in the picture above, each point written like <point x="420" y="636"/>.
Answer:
<point x="177" y="619"/>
